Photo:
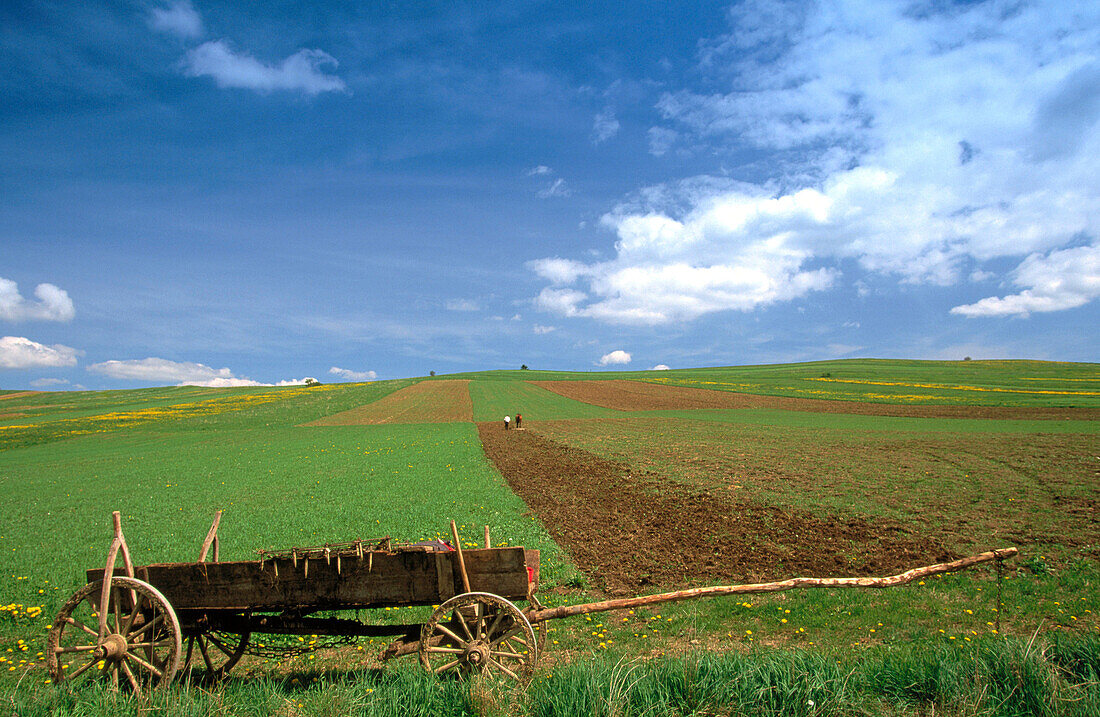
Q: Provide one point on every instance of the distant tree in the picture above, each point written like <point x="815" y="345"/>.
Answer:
<point x="966" y="358"/>
<point x="312" y="381"/>
<point x="523" y="367"/>
<point x="431" y="373"/>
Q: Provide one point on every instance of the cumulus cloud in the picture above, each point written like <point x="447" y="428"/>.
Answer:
<point x="304" y="71"/>
<point x="542" y="330"/>
<point x="350" y="375"/>
<point x="183" y="373"/>
<point x="660" y="367"/>
<point x="17" y="352"/>
<point x="910" y="144"/>
<point x="605" y="126"/>
<point x="53" y="303"/>
<point x="1063" y="279"/>
<point x="176" y="18"/>
<point x="617" y="357"/>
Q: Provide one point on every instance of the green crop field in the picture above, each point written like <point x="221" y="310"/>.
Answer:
<point x="495" y="399"/>
<point x="978" y="383"/>
<point x="168" y="458"/>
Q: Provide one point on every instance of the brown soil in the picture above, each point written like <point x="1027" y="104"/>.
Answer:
<point x="443" y="401"/>
<point x="632" y="533"/>
<point x="625" y="395"/>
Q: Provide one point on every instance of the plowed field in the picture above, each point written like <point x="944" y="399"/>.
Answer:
<point x="424" y="402"/>
<point x="626" y="395"/>
<point x="628" y="532"/>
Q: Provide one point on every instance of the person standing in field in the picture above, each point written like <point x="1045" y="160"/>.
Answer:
<point x="507" y="420"/>
<point x="519" y="421"/>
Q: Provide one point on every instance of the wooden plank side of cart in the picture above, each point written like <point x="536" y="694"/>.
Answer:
<point x="379" y="579"/>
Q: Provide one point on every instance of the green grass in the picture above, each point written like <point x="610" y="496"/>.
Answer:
<point x="990" y="678"/>
<point x="182" y="409"/>
<point x="890" y="424"/>
<point x="981" y="383"/>
<point x="493" y="400"/>
<point x="280" y="485"/>
<point x="186" y="452"/>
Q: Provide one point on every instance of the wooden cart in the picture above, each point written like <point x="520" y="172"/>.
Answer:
<point x="139" y="629"/>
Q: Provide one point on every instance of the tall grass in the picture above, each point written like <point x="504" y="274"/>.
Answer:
<point x="998" y="678"/>
<point x="1053" y="676"/>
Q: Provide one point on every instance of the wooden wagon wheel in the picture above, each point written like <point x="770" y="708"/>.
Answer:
<point x="478" y="633"/>
<point x="218" y="652"/>
<point x="141" y="645"/>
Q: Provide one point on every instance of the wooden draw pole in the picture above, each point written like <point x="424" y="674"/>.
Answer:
<point x="774" y="587"/>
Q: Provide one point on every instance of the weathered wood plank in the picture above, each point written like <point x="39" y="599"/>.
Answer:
<point x="378" y="580"/>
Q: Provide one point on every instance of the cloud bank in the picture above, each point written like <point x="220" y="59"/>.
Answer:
<point x="53" y="303"/>
<point x="918" y="144"/>
<point x="304" y="71"/>
<point x="350" y="375"/>
<point x="17" y="352"/>
<point x="183" y="373"/>
<point x="1063" y="279"/>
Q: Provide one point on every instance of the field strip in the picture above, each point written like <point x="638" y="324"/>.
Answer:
<point x="880" y="424"/>
<point x="493" y="400"/>
<point x="630" y="531"/>
<point x="429" y="401"/>
<point x="18" y="394"/>
<point x="626" y="395"/>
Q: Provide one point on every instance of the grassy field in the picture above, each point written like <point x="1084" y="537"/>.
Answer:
<point x="979" y="383"/>
<point x="168" y="458"/>
<point x="495" y="399"/>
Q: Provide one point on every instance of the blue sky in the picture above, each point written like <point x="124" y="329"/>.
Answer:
<point x="256" y="192"/>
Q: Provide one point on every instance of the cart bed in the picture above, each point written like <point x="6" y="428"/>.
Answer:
<point x="377" y="579"/>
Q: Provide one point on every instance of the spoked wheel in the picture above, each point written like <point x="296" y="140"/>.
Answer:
<point x="478" y="633"/>
<point x="142" y="645"/>
<point x="217" y="652"/>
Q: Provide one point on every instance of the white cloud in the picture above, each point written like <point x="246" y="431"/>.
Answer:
<point x="1063" y="279"/>
<point x="605" y="126"/>
<point x="17" y="352"/>
<point x="617" y="357"/>
<point x="303" y="71"/>
<point x="557" y="188"/>
<point x="542" y="330"/>
<point x="294" y="381"/>
<point x="558" y="271"/>
<point x="661" y="140"/>
<point x="53" y="303"/>
<point x="559" y="301"/>
<point x="178" y="18"/>
<point x="48" y="382"/>
<point x="539" y="170"/>
<point x="184" y="373"/>
<point x="978" y="276"/>
<point x="350" y="375"/>
<point x="660" y="367"/>
<point x="912" y="143"/>
<point x="462" y="305"/>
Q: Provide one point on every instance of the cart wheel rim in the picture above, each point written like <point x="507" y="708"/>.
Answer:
<point x="479" y="633"/>
<point x="215" y="653"/>
<point x="141" y="646"/>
